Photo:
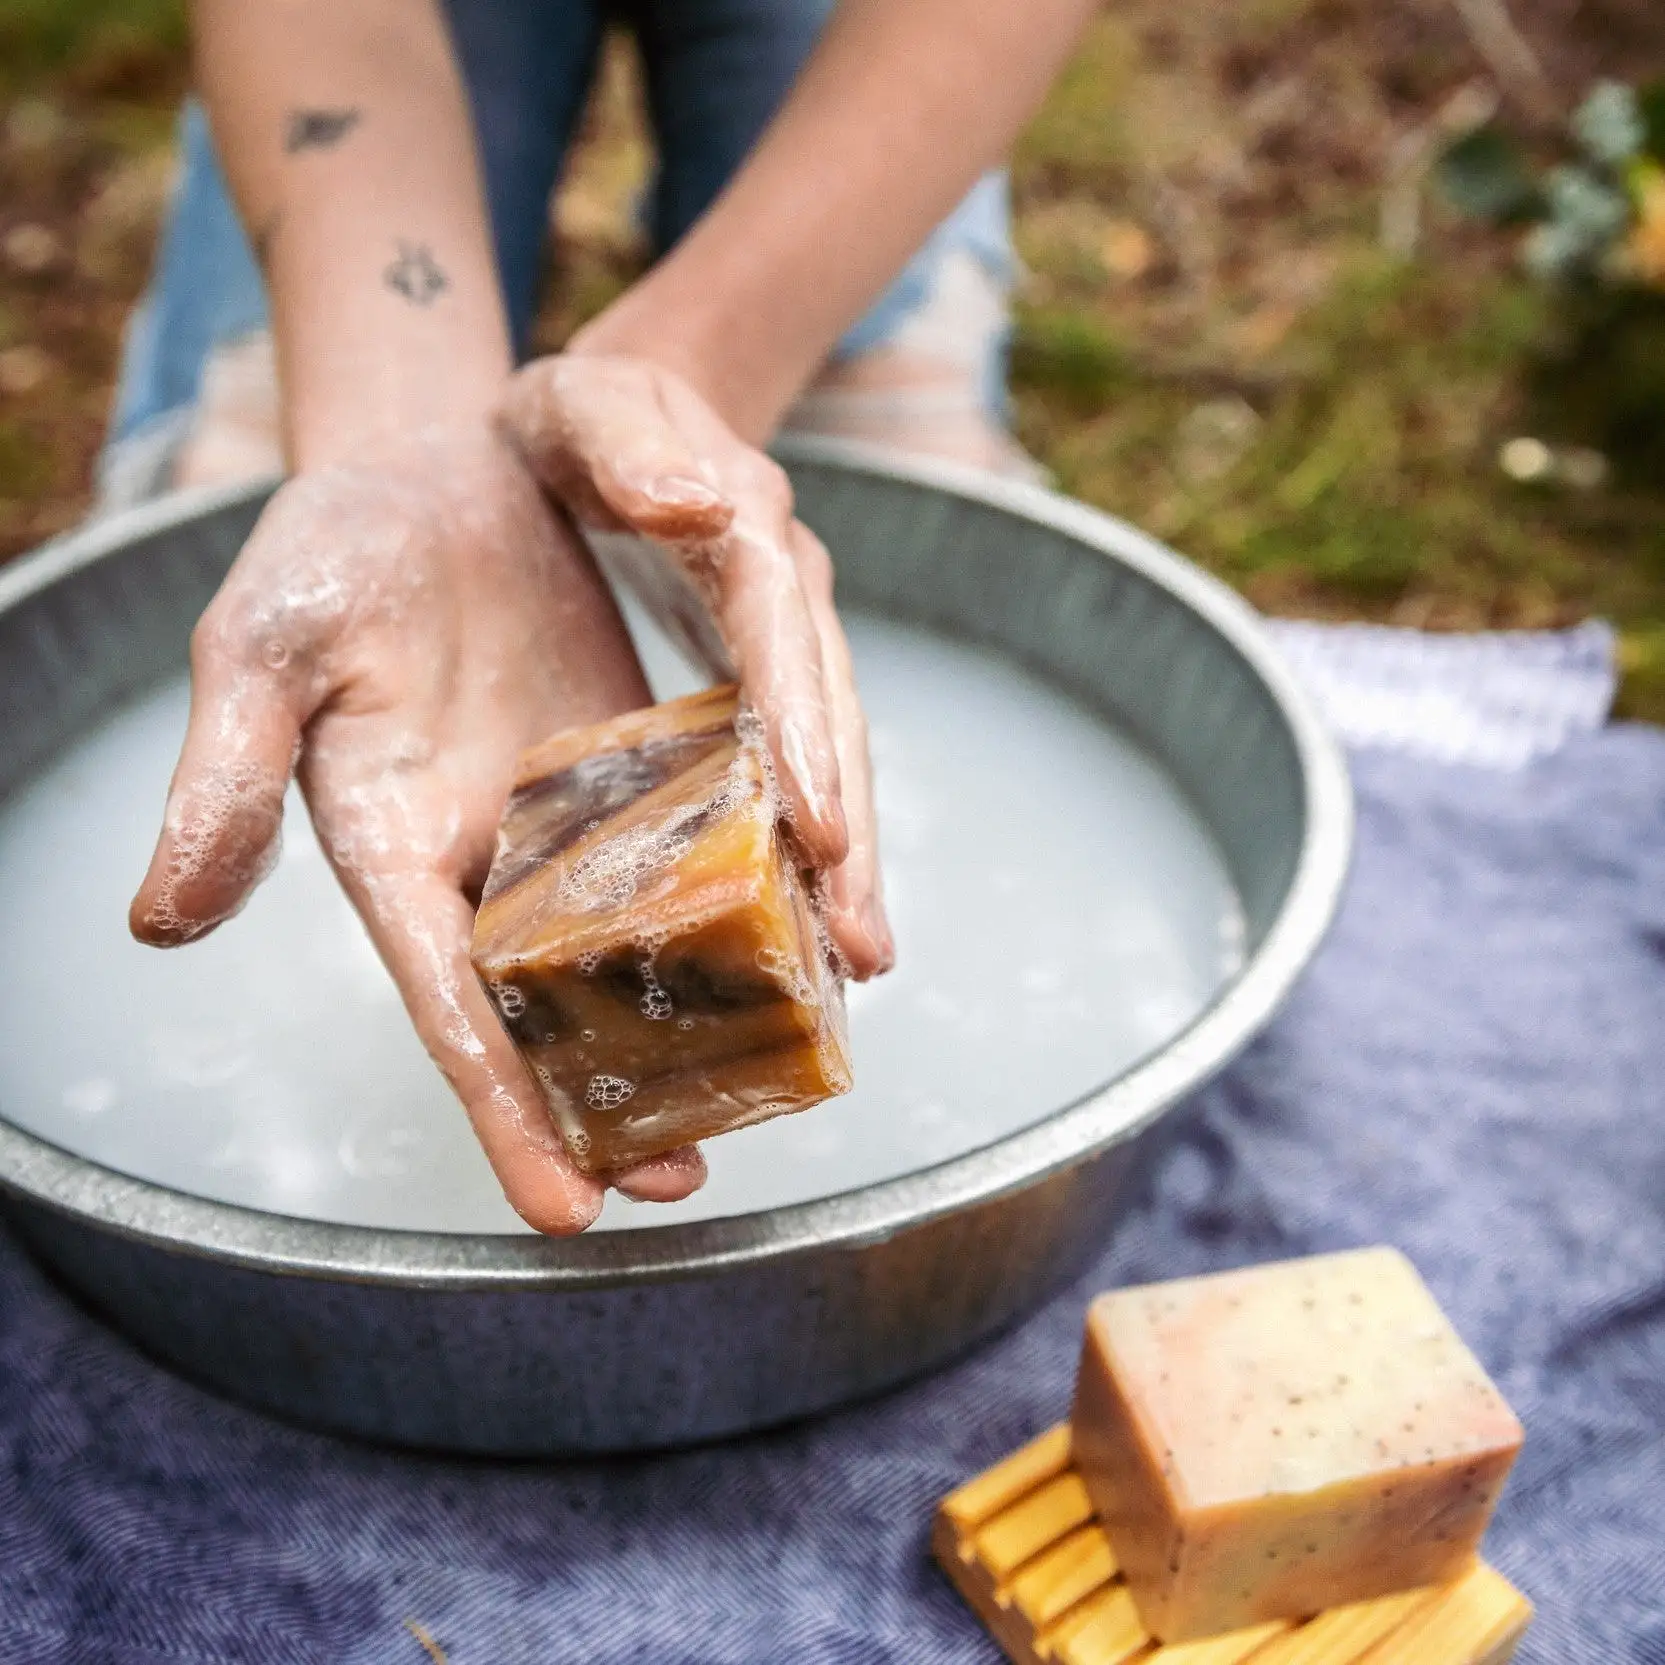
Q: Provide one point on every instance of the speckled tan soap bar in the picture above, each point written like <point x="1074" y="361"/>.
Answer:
<point x="1023" y="1544"/>
<point x="1268" y="1442"/>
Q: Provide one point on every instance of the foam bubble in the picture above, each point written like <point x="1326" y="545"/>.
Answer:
<point x="608" y="876"/>
<point x="655" y="1003"/>
<point x="608" y="1092"/>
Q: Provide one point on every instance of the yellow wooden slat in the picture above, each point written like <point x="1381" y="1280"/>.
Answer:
<point x="1056" y="1580"/>
<point x="1035" y="1566"/>
<point x="1479" y="1618"/>
<point x="1342" y="1634"/>
<point x="1112" y="1635"/>
<point x="1228" y="1649"/>
<point x="997" y="1488"/>
<point x="1029" y="1526"/>
<point x="1049" y="1643"/>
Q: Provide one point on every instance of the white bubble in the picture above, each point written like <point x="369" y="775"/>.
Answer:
<point x="608" y="1092"/>
<point x="655" y="1002"/>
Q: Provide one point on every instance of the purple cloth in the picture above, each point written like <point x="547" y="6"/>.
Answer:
<point x="1472" y="1070"/>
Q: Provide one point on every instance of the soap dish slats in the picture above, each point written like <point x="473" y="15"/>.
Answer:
<point x="1021" y="1544"/>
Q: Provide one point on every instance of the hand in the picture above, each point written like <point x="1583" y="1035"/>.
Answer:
<point x="396" y="629"/>
<point x="628" y="446"/>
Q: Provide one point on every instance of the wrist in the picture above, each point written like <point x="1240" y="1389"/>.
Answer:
<point x="681" y="327"/>
<point x="362" y="358"/>
<point x="380" y="395"/>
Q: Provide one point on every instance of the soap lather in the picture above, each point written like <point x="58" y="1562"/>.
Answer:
<point x="650" y="941"/>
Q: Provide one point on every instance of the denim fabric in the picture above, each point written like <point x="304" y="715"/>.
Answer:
<point x="715" y="72"/>
<point x="206" y="289"/>
<point x="1471" y="1070"/>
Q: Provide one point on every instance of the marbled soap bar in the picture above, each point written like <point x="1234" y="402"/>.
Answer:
<point x="1272" y="1442"/>
<point x="649" y="941"/>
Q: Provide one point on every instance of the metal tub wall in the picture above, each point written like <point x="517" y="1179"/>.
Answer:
<point x="530" y="1371"/>
<point x="658" y="1337"/>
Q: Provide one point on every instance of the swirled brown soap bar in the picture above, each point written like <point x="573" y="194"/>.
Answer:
<point x="1268" y="1443"/>
<point x="649" y="940"/>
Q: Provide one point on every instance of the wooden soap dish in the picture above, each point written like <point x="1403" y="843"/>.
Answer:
<point x="1023" y="1546"/>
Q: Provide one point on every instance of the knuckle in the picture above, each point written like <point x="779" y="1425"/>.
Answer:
<point x="776" y="483"/>
<point x="815" y="568"/>
<point x="219" y="638"/>
<point x="766" y="481"/>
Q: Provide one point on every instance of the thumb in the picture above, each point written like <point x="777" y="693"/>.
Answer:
<point x="596" y="431"/>
<point x="219" y="834"/>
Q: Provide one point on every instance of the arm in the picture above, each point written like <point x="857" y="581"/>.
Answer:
<point x="902" y="106"/>
<point x="345" y="135"/>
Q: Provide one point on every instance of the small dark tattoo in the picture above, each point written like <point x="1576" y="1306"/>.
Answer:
<point x="318" y="129"/>
<point x="416" y="275"/>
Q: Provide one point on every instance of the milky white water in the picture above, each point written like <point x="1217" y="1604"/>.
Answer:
<point x="1059" y="913"/>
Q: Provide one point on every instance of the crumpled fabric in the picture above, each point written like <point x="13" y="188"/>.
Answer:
<point x="1471" y="1069"/>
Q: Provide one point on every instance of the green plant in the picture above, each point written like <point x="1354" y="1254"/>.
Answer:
<point x="1599" y="211"/>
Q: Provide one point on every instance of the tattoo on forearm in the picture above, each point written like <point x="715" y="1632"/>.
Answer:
<point x="318" y="129"/>
<point x="416" y="275"/>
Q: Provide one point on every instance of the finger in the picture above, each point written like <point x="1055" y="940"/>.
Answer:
<point x="668" y="1178"/>
<point x="750" y="576"/>
<point x="219" y="835"/>
<point x="855" y="891"/>
<point x="765" y="619"/>
<point x="421" y="926"/>
<point x="596" y="432"/>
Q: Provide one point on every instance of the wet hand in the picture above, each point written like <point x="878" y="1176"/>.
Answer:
<point x="395" y="631"/>
<point x="629" y="446"/>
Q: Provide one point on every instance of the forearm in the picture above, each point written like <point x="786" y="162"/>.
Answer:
<point x="903" y="105"/>
<point x="345" y="136"/>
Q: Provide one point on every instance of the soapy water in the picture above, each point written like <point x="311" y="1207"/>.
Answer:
<point x="1059" y="913"/>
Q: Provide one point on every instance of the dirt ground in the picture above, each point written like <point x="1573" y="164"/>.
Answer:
<point x="1244" y="322"/>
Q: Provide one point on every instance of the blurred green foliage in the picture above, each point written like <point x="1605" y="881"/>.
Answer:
<point x="100" y="46"/>
<point x="1367" y="481"/>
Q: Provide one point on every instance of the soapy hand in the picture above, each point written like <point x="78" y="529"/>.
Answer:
<point x="395" y="631"/>
<point x="628" y="446"/>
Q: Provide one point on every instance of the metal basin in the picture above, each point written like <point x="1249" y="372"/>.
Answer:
<point x="491" y="1341"/>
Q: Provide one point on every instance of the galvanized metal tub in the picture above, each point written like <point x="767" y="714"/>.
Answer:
<point x="661" y="1336"/>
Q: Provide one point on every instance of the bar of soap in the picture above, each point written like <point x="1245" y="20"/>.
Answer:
<point x="1272" y="1442"/>
<point x="649" y="941"/>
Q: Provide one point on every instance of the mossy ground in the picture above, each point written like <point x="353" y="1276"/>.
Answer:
<point x="1214" y="339"/>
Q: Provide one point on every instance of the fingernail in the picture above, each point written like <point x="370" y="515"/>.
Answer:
<point x="683" y="491"/>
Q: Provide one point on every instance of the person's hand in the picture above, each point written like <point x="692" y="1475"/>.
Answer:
<point x="395" y="631"/>
<point x="628" y="446"/>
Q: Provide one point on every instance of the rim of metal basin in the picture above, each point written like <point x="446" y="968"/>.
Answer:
<point x="190" y="1224"/>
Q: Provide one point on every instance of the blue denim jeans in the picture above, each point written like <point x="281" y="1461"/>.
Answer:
<point x="715" y="71"/>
